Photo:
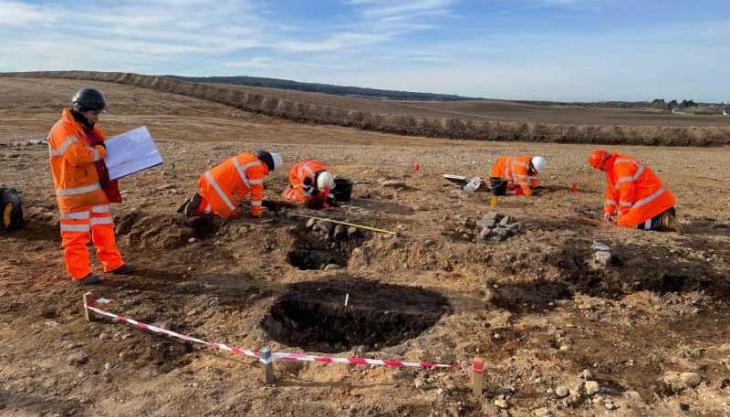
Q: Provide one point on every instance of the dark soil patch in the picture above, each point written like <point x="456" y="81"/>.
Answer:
<point x="313" y="315"/>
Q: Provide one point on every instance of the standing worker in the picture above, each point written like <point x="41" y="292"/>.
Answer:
<point x="83" y="188"/>
<point x="310" y="184"/>
<point x="637" y="192"/>
<point x="511" y="172"/>
<point x="225" y="186"/>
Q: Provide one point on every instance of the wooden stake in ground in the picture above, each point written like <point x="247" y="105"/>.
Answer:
<point x="477" y="376"/>
<point x="265" y="359"/>
<point x="88" y="296"/>
<point x="359" y="226"/>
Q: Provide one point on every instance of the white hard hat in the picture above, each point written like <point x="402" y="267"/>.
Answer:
<point x="278" y="162"/>
<point x="539" y="163"/>
<point x="325" y="180"/>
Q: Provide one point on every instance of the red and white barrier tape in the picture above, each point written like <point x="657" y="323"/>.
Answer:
<point x="301" y="357"/>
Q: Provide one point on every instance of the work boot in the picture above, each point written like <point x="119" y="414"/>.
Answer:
<point x="125" y="269"/>
<point x="90" y="279"/>
<point x="668" y="221"/>
<point x="190" y="206"/>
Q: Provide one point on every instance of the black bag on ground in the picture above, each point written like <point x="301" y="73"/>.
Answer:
<point x="11" y="209"/>
<point x="343" y="189"/>
<point x="498" y="185"/>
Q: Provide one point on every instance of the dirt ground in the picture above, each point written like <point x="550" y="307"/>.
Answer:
<point x="652" y="328"/>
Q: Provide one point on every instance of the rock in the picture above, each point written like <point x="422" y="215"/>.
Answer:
<point x="562" y="391"/>
<point x="486" y="234"/>
<point x="108" y="366"/>
<point x="192" y="240"/>
<point x="325" y="227"/>
<point x="506" y="221"/>
<point x="633" y="397"/>
<point x="499" y="234"/>
<point x="610" y="405"/>
<point x="602" y="258"/>
<point x="586" y="374"/>
<point x="332" y="267"/>
<point x="600" y="247"/>
<point x="501" y="403"/>
<point x="103" y="336"/>
<point x="393" y="183"/>
<point x="311" y="223"/>
<point x="690" y="379"/>
<point x="340" y="232"/>
<point x="77" y="358"/>
<point x="592" y="387"/>
<point x="351" y="232"/>
<point x="489" y="220"/>
<point x="542" y="412"/>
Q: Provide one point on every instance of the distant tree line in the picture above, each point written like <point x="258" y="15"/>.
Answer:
<point x="659" y="103"/>
<point x="452" y="128"/>
<point x="325" y="88"/>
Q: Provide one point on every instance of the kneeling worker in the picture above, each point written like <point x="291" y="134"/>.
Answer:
<point x="225" y="186"/>
<point x="311" y="183"/>
<point x="511" y="172"/>
<point x="637" y="192"/>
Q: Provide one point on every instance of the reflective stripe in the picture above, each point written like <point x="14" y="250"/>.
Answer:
<point x="75" y="227"/>
<point x="610" y="202"/>
<point x="625" y="204"/>
<point x="100" y="209"/>
<point x="241" y="172"/>
<point x="65" y="192"/>
<point x="647" y="224"/>
<point x="96" y="153"/>
<point x="256" y="203"/>
<point x="78" y="215"/>
<point x="649" y="199"/>
<point x="64" y="146"/>
<point x="101" y="220"/>
<point x="256" y="182"/>
<point x="624" y="161"/>
<point x="251" y="164"/>
<point x="208" y="208"/>
<point x="634" y="177"/>
<point x="218" y="190"/>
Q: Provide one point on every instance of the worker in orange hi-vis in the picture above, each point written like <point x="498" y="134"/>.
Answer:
<point x="225" y="186"/>
<point x="83" y="188"/>
<point x="512" y="172"/>
<point x="311" y="182"/>
<point x="634" y="192"/>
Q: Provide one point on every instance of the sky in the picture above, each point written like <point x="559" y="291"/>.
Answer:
<point x="566" y="50"/>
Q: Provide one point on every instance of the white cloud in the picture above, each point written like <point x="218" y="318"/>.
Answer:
<point x="20" y="14"/>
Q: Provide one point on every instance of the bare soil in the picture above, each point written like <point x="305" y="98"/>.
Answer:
<point x="534" y="306"/>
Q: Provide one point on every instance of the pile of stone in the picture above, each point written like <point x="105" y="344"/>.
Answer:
<point x="32" y="142"/>
<point x="331" y="232"/>
<point x="498" y="227"/>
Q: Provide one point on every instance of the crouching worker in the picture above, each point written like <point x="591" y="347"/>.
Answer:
<point x="310" y="184"/>
<point x="516" y="172"/>
<point x="83" y="188"/>
<point x="634" y="193"/>
<point x="225" y="186"/>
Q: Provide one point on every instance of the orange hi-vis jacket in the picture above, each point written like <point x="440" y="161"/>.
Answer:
<point x="75" y="177"/>
<point x="516" y="170"/>
<point x="299" y="174"/>
<point x="635" y="190"/>
<point x="229" y="183"/>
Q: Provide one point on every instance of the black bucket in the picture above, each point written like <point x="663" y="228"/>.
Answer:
<point x="498" y="185"/>
<point x="343" y="189"/>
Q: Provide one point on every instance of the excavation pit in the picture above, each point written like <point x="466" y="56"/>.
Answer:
<point x="313" y="315"/>
<point x="315" y="258"/>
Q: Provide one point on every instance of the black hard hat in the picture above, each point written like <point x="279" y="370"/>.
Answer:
<point x="266" y="158"/>
<point x="88" y="99"/>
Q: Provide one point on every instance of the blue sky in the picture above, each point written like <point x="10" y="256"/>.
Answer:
<point x="511" y="49"/>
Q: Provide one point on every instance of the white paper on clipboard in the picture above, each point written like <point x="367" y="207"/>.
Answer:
<point x="131" y="152"/>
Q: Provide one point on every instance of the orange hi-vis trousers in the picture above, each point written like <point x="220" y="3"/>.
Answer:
<point x="77" y="229"/>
